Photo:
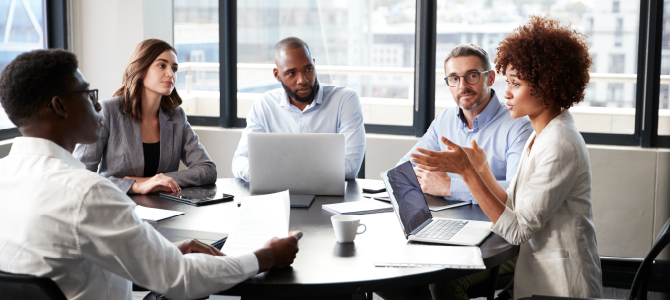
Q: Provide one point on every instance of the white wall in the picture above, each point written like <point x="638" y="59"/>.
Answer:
<point x="104" y="34"/>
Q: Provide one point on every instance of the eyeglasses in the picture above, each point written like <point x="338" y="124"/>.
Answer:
<point x="92" y="94"/>
<point x="470" y="77"/>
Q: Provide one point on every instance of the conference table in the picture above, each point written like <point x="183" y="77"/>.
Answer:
<point x="323" y="266"/>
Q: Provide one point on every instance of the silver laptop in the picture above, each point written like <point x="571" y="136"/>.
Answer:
<point x="415" y="218"/>
<point x="303" y="163"/>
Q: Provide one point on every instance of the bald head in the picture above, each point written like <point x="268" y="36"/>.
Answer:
<point x="290" y="43"/>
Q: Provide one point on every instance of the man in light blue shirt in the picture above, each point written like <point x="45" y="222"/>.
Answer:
<point x="303" y="105"/>
<point x="479" y="115"/>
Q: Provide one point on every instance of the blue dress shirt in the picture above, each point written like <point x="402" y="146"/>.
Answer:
<point x="334" y="110"/>
<point x="502" y="137"/>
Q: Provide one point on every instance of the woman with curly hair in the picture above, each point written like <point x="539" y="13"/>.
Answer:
<point x="547" y="208"/>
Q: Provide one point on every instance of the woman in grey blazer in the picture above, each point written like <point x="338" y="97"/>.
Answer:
<point x="146" y="133"/>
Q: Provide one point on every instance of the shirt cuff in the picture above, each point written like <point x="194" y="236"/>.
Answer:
<point x="503" y="225"/>
<point x="460" y="191"/>
<point x="250" y="264"/>
<point x="241" y="168"/>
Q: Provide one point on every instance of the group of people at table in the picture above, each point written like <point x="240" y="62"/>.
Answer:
<point x="516" y="153"/>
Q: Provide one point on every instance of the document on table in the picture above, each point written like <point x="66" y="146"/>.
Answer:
<point x="429" y="256"/>
<point x="155" y="214"/>
<point x="261" y="218"/>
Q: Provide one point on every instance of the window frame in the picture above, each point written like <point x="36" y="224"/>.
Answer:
<point x="646" y="98"/>
<point x="55" y="15"/>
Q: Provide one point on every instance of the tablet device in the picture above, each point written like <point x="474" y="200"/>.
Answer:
<point x="198" y="195"/>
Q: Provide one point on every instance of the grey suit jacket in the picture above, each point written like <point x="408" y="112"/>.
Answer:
<point x="119" y="150"/>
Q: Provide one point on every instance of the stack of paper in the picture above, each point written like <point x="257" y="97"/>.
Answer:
<point x="261" y="218"/>
<point x="155" y="214"/>
<point x="425" y="256"/>
<point x="358" y="207"/>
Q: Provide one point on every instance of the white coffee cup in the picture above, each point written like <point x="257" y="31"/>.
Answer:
<point x="346" y="227"/>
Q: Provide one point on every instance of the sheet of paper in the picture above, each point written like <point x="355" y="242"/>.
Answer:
<point x="261" y="218"/>
<point x="432" y="256"/>
<point x="155" y="214"/>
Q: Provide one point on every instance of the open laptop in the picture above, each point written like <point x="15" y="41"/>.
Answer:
<point x="415" y="218"/>
<point x="303" y="163"/>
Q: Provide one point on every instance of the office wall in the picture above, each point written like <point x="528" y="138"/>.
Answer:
<point x="103" y="34"/>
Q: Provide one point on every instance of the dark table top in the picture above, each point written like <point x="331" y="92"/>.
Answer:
<point x="322" y="265"/>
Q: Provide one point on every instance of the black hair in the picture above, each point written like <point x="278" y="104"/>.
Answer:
<point x="30" y="81"/>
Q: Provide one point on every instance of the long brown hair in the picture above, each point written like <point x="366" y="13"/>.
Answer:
<point x="132" y="85"/>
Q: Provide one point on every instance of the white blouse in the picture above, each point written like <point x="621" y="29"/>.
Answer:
<point x="549" y="213"/>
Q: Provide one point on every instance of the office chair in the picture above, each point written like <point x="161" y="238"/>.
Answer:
<point x="18" y="286"/>
<point x="638" y="290"/>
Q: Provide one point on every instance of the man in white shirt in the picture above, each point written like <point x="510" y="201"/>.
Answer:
<point x="76" y="227"/>
<point x="304" y="106"/>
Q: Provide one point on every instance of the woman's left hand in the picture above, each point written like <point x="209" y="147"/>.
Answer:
<point x="455" y="160"/>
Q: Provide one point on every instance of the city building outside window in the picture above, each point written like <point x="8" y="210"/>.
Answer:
<point x="21" y="30"/>
<point x="486" y="23"/>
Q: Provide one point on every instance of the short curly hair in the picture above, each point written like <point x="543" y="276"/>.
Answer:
<point x="554" y="59"/>
<point x="31" y="79"/>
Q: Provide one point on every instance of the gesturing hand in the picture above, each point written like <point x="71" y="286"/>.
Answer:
<point x="477" y="157"/>
<point x="454" y="160"/>
<point x="278" y="253"/>
<point x="434" y="183"/>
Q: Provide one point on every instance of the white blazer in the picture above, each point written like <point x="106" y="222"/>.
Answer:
<point x="549" y="213"/>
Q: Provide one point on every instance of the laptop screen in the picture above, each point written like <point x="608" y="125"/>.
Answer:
<point x="406" y="196"/>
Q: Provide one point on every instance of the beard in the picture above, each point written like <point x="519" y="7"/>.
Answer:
<point x="479" y="99"/>
<point x="294" y="94"/>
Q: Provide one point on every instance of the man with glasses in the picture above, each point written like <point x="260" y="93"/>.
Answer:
<point x="478" y="115"/>
<point x="76" y="227"/>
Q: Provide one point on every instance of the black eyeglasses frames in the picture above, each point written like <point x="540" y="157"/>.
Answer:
<point x="470" y="77"/>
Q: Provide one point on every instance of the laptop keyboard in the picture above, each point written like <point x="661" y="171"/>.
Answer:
<point x="441" y="229"/>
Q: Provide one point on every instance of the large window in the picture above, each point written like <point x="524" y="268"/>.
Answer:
<point x="21" y="29"/>
<point x="391" y="53"/>
<point x="609" y="105"/>
<point x="365" y="45"/>
<point x="196" y="38"/>
<point x="664" y="93"/>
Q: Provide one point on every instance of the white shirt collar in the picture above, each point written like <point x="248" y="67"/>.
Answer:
<point x="43" y="147"/>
